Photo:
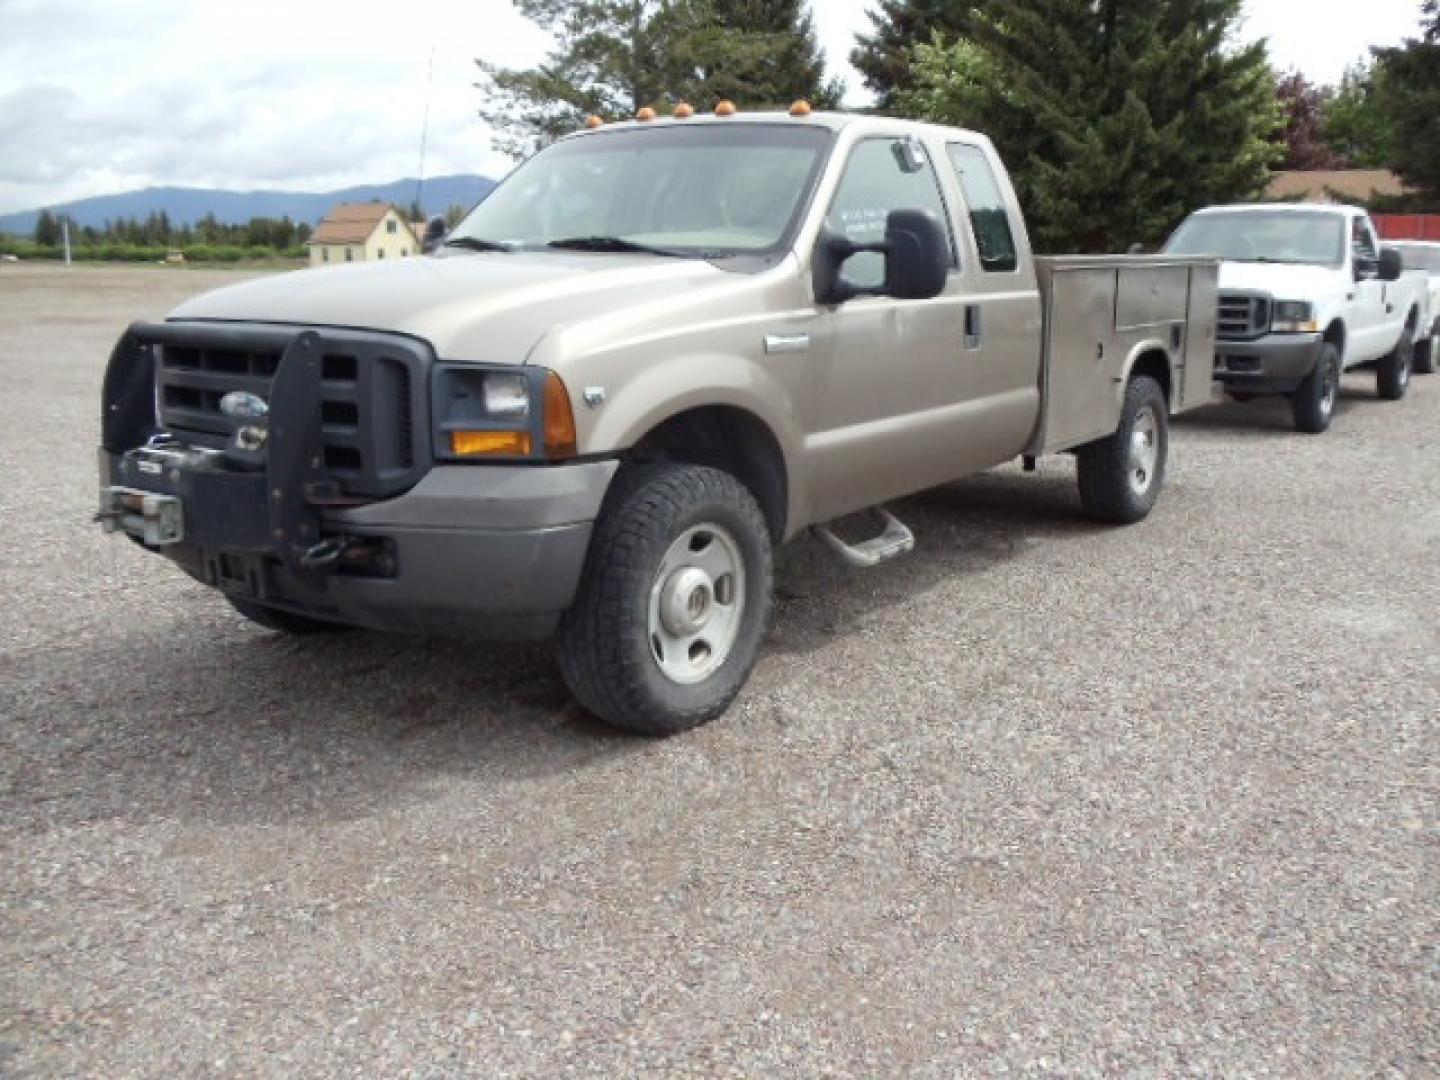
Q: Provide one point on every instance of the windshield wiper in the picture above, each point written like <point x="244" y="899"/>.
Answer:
<point x="475" y="243"/>
<point x="613" y="243"/>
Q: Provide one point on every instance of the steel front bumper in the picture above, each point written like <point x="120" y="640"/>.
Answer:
<point x="1274" y="364"/>
<point x="477" y="551"/>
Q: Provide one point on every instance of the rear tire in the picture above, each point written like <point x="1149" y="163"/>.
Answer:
<point x="285" y="622"/>
<point x="1392" y="374"/>
<point x="1426" y="358"/>
<point x="1121" y="476"/>
<point x="674" y="603"/>
<point x="1314" y="401"/>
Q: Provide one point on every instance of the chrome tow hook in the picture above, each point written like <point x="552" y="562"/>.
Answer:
<point x="325" y="554"/>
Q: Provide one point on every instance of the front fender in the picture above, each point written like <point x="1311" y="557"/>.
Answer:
<point x="676" y="385"/>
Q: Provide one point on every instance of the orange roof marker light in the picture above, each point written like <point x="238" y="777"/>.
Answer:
<point x="646" y="114"/>
<point x="800" y="108"/>
<point x="725" y="108"/>
<point x="684" y="111"/>
<point x="592" y="122"/>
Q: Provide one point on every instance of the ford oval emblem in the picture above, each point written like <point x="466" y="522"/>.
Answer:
<point x="243" y="405"/>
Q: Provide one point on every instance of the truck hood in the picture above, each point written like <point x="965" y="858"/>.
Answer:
<point x="1283" y="281"/>
<point x="484" y="306"/>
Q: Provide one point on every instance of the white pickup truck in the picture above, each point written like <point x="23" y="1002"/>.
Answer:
<point x="1306" y="293"/>
<point x="1425" y="255"/>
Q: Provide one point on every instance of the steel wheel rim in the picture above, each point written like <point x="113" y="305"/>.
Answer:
<point x="1144" y="450"/>
<point x="1329" y="389"/>
<point x="697" y="601"/>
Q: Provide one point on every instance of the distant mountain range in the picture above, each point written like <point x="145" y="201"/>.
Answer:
<point x="185" y="206"/>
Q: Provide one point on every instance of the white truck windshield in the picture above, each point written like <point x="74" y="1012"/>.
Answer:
<point x="1287" y="236"/>
<point x="702" y="190"/>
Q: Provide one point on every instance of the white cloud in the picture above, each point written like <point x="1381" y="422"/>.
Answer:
<point x="99" y="95"/>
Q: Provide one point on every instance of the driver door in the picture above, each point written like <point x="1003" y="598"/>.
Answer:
<point x="1368" y="315"/>
<point x="886" y="368"/>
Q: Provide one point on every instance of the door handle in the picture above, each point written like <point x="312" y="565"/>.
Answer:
<point x="974" y="335"/>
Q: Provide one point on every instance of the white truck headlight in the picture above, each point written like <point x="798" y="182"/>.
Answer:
<point x="507" y="396"/>
<point x="1293" y="317"/>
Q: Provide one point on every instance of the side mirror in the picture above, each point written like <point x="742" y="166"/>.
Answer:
<point x="917" y="260"/>
<point x="1391" y="264"/>
<point x="434" y="233"/>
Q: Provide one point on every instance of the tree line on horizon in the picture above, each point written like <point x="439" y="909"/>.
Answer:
<point x="1115" y="117"/>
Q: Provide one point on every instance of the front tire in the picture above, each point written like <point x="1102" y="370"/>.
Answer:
<point x="1314" y="402"/>
<point x="1392" y="376"/>
<point x="674" y="603"/>
<point x="1121" y="476"/>
<point x="1427" y="355"/>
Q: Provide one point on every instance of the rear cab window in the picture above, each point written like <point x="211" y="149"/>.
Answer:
<point x="989" y="218"/>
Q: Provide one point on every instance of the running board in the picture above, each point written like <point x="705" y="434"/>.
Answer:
<point x="895" y="541"/>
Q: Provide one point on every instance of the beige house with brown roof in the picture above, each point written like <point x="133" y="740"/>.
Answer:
<point x="357" y="232"/>
<point x="1317" y="186"/>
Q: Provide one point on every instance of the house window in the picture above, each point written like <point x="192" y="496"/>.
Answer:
<point x="349" y="254"/>
<point x="390" y="226"/>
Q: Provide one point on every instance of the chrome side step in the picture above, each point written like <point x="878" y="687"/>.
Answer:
<point x="895" y="541"/>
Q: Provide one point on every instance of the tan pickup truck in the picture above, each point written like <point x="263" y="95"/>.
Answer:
<point x="655" y="352"/>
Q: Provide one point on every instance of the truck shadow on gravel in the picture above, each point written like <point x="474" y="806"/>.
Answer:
<point x="1264" y="417"/>
<point x="263" y="728"/>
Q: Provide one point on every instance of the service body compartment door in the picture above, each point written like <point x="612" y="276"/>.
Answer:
<point x="1102" y="314"/>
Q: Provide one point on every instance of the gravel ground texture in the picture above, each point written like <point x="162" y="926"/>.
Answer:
<point x="1042" y="798"/>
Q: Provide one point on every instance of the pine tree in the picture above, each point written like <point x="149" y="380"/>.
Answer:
<point x="883" y="55"/>
<point x="47" y="229"/>
<point x="1117" y="117"/>
<point x="614" y="57"/>
<point x="1409" y="93"/>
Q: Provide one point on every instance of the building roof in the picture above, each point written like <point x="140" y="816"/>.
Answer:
<point x="351" y="223"/>
<point x="1362" y="184"/>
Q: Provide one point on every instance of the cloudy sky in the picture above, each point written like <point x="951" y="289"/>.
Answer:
<point x="98" y="96"/>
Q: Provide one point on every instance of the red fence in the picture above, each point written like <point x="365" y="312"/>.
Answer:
<point x="1408" y="226"/>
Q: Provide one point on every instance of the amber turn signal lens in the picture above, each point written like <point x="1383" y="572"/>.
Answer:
<point x="647" y="113"/>
<point x="560" y="439"/>
<point x="592" y="121"/>
<point x="490" y="443"/>
<point x="684" y="111"/>
<point x="800" y="108"/>
<point x="725" y="108"/>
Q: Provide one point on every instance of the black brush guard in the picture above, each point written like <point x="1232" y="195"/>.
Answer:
<point x="267" y="501"/>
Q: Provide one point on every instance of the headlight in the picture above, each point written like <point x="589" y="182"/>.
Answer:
<point x="484" y="413"/>
<point x="1293" y="317"/>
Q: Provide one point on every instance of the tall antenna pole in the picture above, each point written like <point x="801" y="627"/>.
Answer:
<point x="425" y="132"/>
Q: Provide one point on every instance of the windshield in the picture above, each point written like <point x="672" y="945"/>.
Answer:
<point x="705" y="190"/>
<point x="1421" y="256"/>
<point x="1288" y="236"/>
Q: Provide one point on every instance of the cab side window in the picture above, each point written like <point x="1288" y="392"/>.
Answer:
<point x="1367" y="254"/>
<point x="882" y="175"/>
<point x="994" y="239"/>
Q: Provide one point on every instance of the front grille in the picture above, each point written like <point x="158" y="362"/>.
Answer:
<point x="367" y="400"/>
<point x="1243" y="317"/>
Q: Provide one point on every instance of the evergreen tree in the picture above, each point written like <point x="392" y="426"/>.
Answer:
<point x="1409" y="93"/>
<point x="883" y="56"/>
<point x="47" y="229"/>
<point x="1118" y="117"/>
<point x="1358" y="125"/>
<point x="614" y="57"/>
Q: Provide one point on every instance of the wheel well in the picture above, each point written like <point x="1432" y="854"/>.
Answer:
<point x="1335" y="335"/>
<point x="1413" y="320"/>
<point x="1157" y="365"/>
<point x="728" y="438"/>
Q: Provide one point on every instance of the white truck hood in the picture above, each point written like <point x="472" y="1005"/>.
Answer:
<point x="484" y="306"/>
<point x="1283" y="281"/>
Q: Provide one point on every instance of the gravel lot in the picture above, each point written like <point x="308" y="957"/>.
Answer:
<point x="1043" y="797"/>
